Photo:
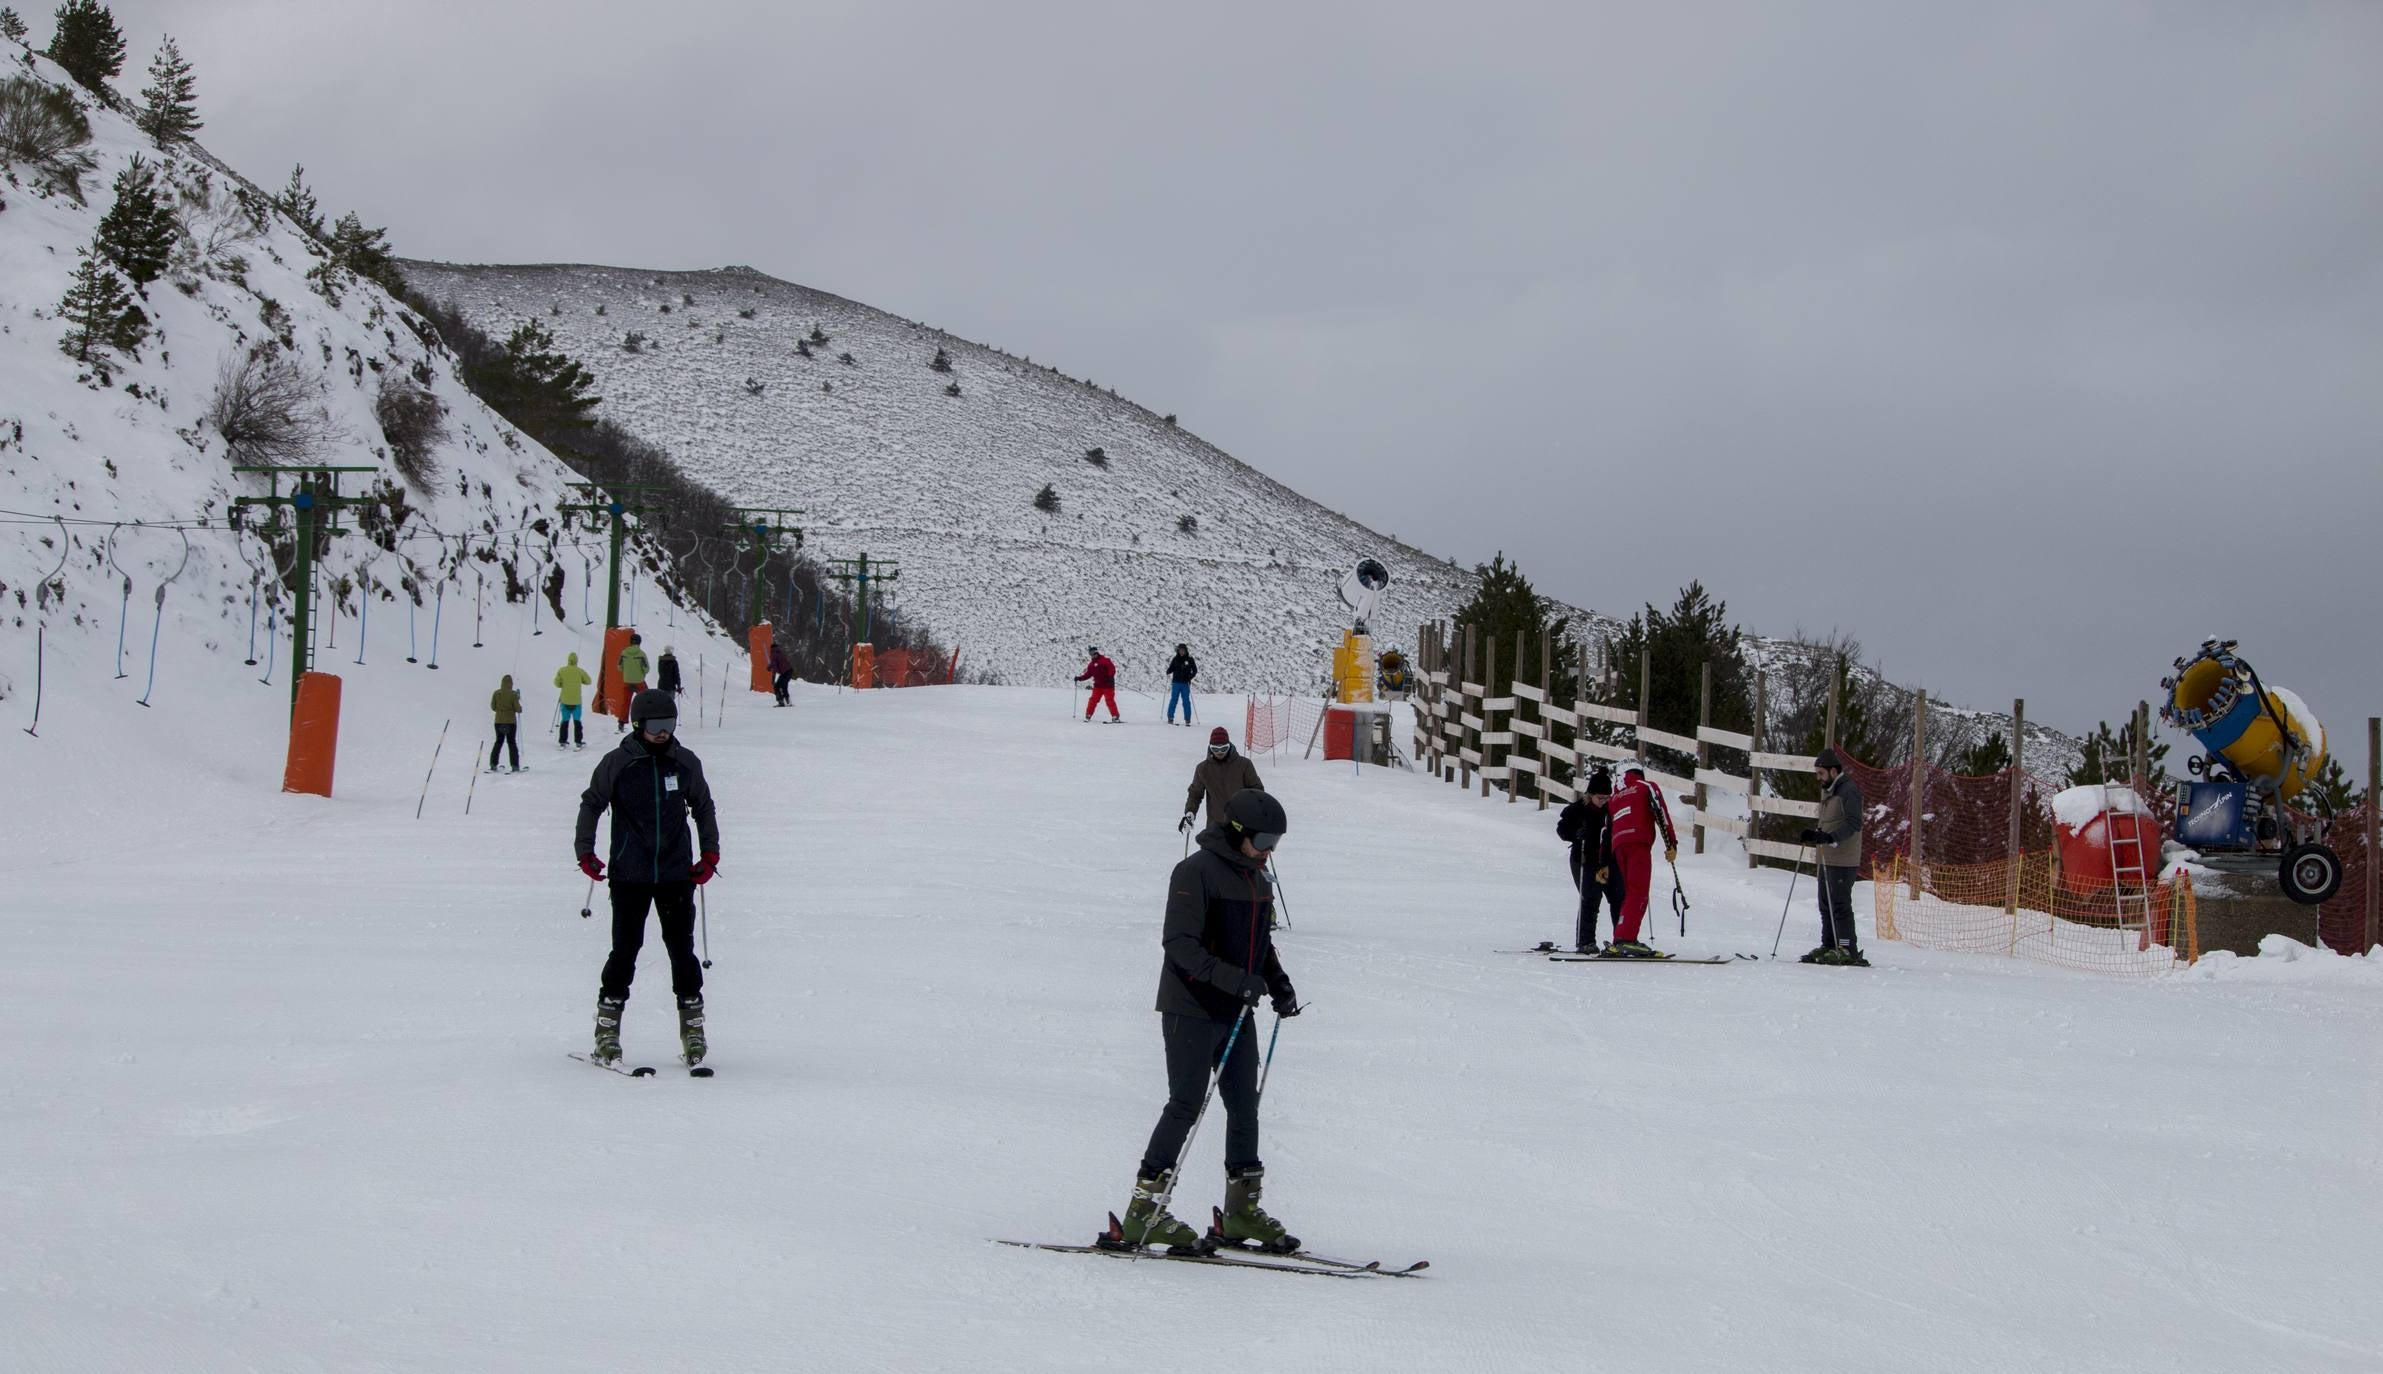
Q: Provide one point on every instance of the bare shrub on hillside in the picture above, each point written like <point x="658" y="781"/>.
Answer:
<point x="268" y="411"/>
<point x="415" y="423"/>
<point x="43" y="131"/>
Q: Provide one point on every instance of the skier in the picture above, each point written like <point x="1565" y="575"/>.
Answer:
<point x="1219" y="962"/>
<point x="781" y="672"/>
<point x="1634" y="813"/>
<point x="1587" y="825"/>
<point x="1837" y="834"/>
<point x="666" y="674"/>
<point x="506" y="703"/>
<point x="651" y="786"/>
<point x="632" y="668"/>
<point x="1181" y="670"/>
<point x="1217" y="779"/>
<point x="1104" y="683"/>
<point x="571" y="680"/>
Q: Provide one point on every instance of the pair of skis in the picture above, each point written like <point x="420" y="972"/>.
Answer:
<point x="1554" y="955"/>
<point x="1296" y="1262"/>
<point x="640" y="1070"/>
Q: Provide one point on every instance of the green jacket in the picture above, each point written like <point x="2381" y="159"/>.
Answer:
<point x="570" y="679"/>
<point x="633" y="664"/>
<point x="505" y="702"/>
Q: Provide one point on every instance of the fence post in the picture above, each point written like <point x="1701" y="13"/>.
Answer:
<point x="1919" y="779"/>
<point x="1547" y="695"/>
<point x="1513" y="714"/>
<point x="1754" y="774"/>
<point x="2374" y="830"/>
<point x="1464" y="698"/>
<point x="2141" y="763"/>
<point x="1489" y="686"/>
<point x="1828" y="730"/>
<point x="2010" y="898"/>
<point x="1704" y="751"/>
<point x="1646" y="671"/>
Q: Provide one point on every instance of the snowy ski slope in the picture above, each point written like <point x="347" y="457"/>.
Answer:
<point x="289" y="1086"/>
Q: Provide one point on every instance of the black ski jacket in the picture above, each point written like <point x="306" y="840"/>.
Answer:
<point x="1217" y="904"/>
<point x="1183" y="668"/>
<point x="650" y="797"/>
<point x="667" y="679"/>
<point x="1589" y="830"/>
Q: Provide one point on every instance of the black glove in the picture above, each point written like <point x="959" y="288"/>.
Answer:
<point x="1286" y="1002"/>
<point x="1815" y="835"/>
<point x="1249" y="989"/>
<point x="1185" y="823"/>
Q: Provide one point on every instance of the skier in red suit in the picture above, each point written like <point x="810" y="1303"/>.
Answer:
<point x="1104" y="683"/>
<point x="1637" y="811"/>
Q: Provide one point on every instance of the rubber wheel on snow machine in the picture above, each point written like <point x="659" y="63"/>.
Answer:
<point x="2310" y="874"/>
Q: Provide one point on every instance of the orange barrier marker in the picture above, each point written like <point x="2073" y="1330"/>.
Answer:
<point x="864" y="666"/>
<point x="757" y="644"/>
<point x="612" y="694"/>
<point x="314" y="736"/>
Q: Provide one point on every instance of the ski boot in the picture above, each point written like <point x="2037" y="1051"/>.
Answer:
<point x="690" y="1029"/>
<point x="608" y="1029"/>
<point x="1843" y="955"/>
<point x="1148" y="1224"/>
<point x="1629" y="949"/>
<point x="1241" y="1223"/>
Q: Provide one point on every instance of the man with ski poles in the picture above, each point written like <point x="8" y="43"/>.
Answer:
<point x="1220" y="962"/>
<point x="1638" y="812"/>
<point x="1103" y="675"/>
<point x="1587" y="825"/>
<point x="1836" y="835"/>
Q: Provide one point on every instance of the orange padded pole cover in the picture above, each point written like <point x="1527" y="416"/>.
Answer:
<point x="757" y="643"/>
<point x="612" y="694"/>
<point x="314" y="736"/>
<point x="864" y="666"/>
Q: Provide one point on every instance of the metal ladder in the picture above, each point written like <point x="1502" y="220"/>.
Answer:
<point x="2130" y="876"/>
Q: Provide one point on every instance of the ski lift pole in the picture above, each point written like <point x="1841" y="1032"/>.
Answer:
<point x="363" y="614"/>
<point x="254" y="579"/>
<point x="123" y="603"/>
<point x="40" y="661"/>
<point x="438" y="613"/>
<point x="158" y="626"/>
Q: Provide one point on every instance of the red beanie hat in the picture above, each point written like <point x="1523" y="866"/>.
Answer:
<point x="1219" y="736"/>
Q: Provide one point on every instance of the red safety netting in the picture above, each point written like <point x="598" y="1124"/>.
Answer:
<point x="1271" y="723"/>
<point x="915" y="667"/>
<point x="2341" y="921"/>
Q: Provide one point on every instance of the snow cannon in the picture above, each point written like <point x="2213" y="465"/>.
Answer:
<point x="1394" y="677"/>
<point x="1353" y="662"/>
<point x="2264" y="744"/>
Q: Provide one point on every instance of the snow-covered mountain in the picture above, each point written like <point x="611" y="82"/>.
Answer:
<point x="1161" y="537"/>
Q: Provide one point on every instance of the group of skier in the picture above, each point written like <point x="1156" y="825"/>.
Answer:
<point x="1101" y="671"/>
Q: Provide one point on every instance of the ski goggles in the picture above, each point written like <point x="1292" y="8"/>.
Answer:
<point x="1218" y="751"/>
<point x="1264" y="841"/>
<point x="659" y="725"/>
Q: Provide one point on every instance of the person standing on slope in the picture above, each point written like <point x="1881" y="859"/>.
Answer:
<point x="1587" y="825"/>
<point x="1636" y="811"/>
<point x="506" y="704"/>
<point x="1217" y="779"/>
<point x="652" y="786"/>
<point x="666" y="674"/>
<point x="571" y="681"/>
<point x="1837" y="833"/>
<point x="1220" y="962"/>
<point x="1180" y="671"/>
<point x="632" y="668"/>
<point x="1104" y="683"/>
<point x="781" y="672"/>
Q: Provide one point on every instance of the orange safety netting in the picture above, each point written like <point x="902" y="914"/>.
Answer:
<point x="1970" y="908"/>
<point x="915" y="667"/>
<point x="1272" y="722"/>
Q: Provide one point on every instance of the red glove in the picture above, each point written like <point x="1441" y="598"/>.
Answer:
<point x="592" y="866"/>
<point x="704" y="868"/>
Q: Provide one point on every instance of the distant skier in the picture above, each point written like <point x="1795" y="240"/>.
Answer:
<point x="1636" y="811"/>
<point x="1217" y="779"/>
<point x="666" y="674"/>
<point x="1180" y="671"/>
<point x="651" y="786"/>
<point x="1104" y="683"/>
<point x="781" y="672"/>
<point x="632" y="668"/>
<point x="1837" y="834"/>
<point x="571" y="681"/>
<point x="506" y="704"/>
<point x="1587" y="825"/>
<point x="1219" y="963"/>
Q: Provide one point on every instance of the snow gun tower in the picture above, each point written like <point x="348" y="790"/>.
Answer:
<point x="2264" y="745"/>
<point x="1353" y="662"/>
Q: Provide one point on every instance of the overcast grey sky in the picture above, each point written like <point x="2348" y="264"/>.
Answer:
<point x="2030" y="343"/>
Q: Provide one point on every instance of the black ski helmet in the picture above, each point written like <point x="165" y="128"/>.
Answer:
<point x="1252" y="813"/>
<point x="653" y="704"/>
<point x="1600" y="783"/>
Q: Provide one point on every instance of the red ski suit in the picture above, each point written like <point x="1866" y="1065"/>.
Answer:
<point x="1104" y="685"/>
<point x="1637" y="810"/>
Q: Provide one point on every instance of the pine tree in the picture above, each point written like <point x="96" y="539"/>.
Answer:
<point x="1678" y="644"/>
<point x="298" y="202"/>
<point x="538" y="387"/>
<point x="1503" y="606"/>
<point x="11" y="27"/>
<point x="100" y="314"/>
<point x="1983" y="759"/>
<point x="2330" y="792"/>
<point x="87" y="43"/>
<point x="363" y="251"/>
<point x="1047" y="500"/>
<point x="2110" y="755"/>
<point x="170" y="105"/>
<point x="137" y="233"/>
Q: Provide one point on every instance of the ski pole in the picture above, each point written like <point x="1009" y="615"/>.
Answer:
<point x="1268" y="1067"/>
<point x="1679" y="899"/>
<point x="1792" y="875"/>
<point x="703" y="908"/>
<point x="1176" y="1171"/>
<point x="1279" y="900"/>
<point x="587" y="905"/>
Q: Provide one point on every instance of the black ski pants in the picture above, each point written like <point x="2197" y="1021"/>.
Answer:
<point x="674" y="904"/>
<point x="1610" y="892"/>
<point x="1194" y="1045"/>
<point x="1836" y="906"/>
<point x="507" y="737"/>
<point x="778" y="683"/>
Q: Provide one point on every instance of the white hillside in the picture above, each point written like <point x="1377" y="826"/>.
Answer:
<point x="884" y="460"/>
<point x="122" y="462"/>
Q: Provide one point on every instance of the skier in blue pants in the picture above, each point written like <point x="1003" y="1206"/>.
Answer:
<point x="1181" y="672"/>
